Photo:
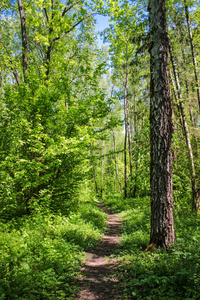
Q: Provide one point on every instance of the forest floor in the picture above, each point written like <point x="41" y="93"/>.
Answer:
<point x="99" y="279"/>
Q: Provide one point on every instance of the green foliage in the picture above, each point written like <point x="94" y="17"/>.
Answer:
<point x="46" y="122"/>
<point x="140" y="181"/>
<point x="36" y="162"/>
<point x="172" y="274"/>
<point x="182" y="189"/>
<point x="41" y="255"/>
<point x="52" y="128"/>
<point x="161" y="275"/>
<point x="43" y="144"/>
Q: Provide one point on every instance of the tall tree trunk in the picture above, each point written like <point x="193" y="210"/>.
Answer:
<point x="125" y="164"/>
<point x="186" y="133"/>
<point x="116" y="167"/>
<point x="187" y="89"/>
<point x="190" y="102"/>
<point x="24" y="39"/>
<point x="135" y="129"/>
<point x="126" y="130"/>
<point x="102" y="169"/>
<point x="94" y="169"/>
<point x="129" y="145"/>
<point x="196" y="73"/>
<point x="176" y="97"/>
<point x="162" y="220"/>
<point x="115" y="189"/>
<point x="130" y="159"/>
<point x="174" y="155"/>
<point x="126" y="104"/>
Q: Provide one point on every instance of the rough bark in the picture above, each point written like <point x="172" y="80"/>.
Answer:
<point x="24" y="39"/>
<point x="180" y="103"/>
<point x="162" y="220"/>
<point x="196" y="73"/>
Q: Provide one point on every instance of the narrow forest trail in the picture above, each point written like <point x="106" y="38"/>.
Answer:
<point x="98" y="280"/>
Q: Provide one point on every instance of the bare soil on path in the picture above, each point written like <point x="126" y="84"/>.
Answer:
<point x="98" y="280"/>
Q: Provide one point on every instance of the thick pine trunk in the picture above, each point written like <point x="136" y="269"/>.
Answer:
<point x="162" y="220"/>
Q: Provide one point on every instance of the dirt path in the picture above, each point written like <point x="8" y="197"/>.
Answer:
<point x="98" y="280"/>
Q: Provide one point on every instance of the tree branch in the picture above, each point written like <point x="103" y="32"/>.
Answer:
<point x="45" y="12"/>
<point x="11" y="63"/>
<point x="67" y="7"/>
<point x="75" y="25"/>
<point x="48" y="53"/>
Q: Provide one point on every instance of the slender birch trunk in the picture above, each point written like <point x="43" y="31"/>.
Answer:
<point x="135" y="129"/>
<point x="126" y="130"/>
<point x="94" y="169"/>
<point x="190" y="103"/>
<point x="176" y="97"/>
<point x="129" y="145"/>
<point x="186" y="133"/>
<point x="196" y="73"/>
<point x="102" y="169"/>
<point x="116" y="166"/>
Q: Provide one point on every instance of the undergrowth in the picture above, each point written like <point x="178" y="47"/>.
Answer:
<point x="163" y="275"/>
<point x="41" y="255"/>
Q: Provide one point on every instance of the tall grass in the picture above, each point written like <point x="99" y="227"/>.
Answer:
<point x="41" y="255"/>
<point x="174" y="274"/>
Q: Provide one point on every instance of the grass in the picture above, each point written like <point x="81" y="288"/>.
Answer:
<point x="41" y="255"/>
<point x="162" y="275"/>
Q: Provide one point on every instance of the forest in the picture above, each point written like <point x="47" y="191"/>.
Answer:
<point x="88" y="128"/>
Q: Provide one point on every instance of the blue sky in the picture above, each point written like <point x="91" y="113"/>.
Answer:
<point x="102" y="23"/>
